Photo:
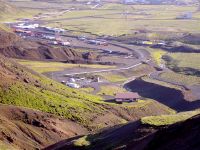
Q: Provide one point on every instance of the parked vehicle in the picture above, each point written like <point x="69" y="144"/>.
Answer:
<point x="73" y="85"/>
<point x="65" y="43"/>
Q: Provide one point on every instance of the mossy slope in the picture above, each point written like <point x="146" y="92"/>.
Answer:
<point x="23" y="87"/>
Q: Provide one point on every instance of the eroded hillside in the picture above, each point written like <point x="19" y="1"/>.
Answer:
<point x="30" y="129"/>
<point x="14" y="47"/>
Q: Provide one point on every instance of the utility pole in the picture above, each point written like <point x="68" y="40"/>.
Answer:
<point x="125" y="14"/>
<point x="57" y="36"/>
<point x="128" y="10"/>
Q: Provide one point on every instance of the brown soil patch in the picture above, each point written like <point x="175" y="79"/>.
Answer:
<point x="30" y="129"/>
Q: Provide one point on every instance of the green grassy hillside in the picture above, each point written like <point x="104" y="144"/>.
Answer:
<point x="168" y="119"/>
<point x="22" y="87"/>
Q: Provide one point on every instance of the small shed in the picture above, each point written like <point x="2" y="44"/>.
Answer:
<point x="126" y="97"/>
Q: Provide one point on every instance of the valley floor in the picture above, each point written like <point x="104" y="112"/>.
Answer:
<point x="100" y="52"/>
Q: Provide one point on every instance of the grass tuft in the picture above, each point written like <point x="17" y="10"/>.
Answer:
<point x="168" y="119"/>
<point x="82" y="142"/>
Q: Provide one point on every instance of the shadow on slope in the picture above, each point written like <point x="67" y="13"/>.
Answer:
<point x="136" y="136"/>
<point x="170" y="97"/>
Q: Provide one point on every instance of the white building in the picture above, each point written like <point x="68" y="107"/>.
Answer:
<point x="30" y="26"/>
<point x="65" y="43"/>
<point x="55" y="42"/>
<point x="73" y="85"/>
<point x="49" y="37"/>
<point x="134" y="1"/>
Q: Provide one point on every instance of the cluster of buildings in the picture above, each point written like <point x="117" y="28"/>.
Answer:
<point x="76" y="82"/>
<point x="98" y="42"/>
<point x="164" y="2"/>
<point x="63" y="43"/>
<point x="51" y="34"/>
<point x="51" y="29"/>
<point x="56" y="40"/>
<point x="119" y="97"/>
<point x="127" y="2"/>
<point x="23" y="31"/>
<point x="93" y="2"/>
<point x="34" y="30"/>
<point x="27" y="26"/>
<point x="71" y="83"/>
<point x="94" y="42"/>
